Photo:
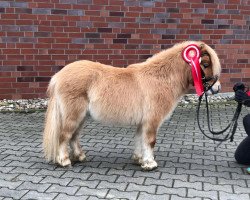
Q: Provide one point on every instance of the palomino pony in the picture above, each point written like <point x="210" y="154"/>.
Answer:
<point x="143" y="94"/>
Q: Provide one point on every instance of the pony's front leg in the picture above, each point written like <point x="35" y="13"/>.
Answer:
<point x="137" y="156"/>
<point x="148" y="143"/>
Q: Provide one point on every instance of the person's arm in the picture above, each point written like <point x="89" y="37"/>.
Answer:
<point x="242" y="97"/>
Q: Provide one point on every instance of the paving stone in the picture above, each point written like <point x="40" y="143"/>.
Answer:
<point x="189" y="171"/>
<point x="152" y="174"/>
<point x="169" y="190"/>
<point x="68" y="197"/>
<point x="21" y="170"/>
<point x="240" y="190"/>
<point x="11" y="184"/>
<point x="128" y="173"/>
<point x="241" y="183"/>
<point x="125" y="179"/>
<point x="15" y="194"/>
<point x="116" y="194"/>
<point x="225" y="175"/>
<point x="194" y="178"/>
<point x="62" y="189"/>
<point x="6" y="169"/>
<point x="141" y="188"/>
<point x="203" y="167"/>
<point x="225" y="188"/>
<point x="230" y="196"/>
<point x="100" y="193"/>
<point x="90" y="184"/>
<point x="95" y="198"/>
<point x="7" y="177"/>
<point x="54" y="173"/>
<point x="176" y="197"/>
<point x="34" y="186"/>
<point x="183" y="177"/>
<point x="183" y="184"/>
<point x="109" y="178"/>
<point x="117" y="186"/>
<point x="152" y="181"/>
<point x="144" y="195"/>
<point x="71" y="174"/>
<point x="53" y="180"/>
<point x="205" y="194"/>
<point x="39" y="196"/>
<point x="99" y="170"/>
<point x="20" y="164"/>
<point x="33" y="179"/>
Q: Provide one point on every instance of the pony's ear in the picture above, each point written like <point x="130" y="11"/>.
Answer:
<point x="202" y="46"/>
<point x="205" y="57"/>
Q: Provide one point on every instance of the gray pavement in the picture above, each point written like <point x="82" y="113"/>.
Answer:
<point x="190" y="166"/>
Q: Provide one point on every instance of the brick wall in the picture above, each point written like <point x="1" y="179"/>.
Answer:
<point x="39" y="37"/>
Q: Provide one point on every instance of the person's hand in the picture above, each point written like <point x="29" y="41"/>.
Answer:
<point x="241" y="96"/>
<point x="239" y="86"/>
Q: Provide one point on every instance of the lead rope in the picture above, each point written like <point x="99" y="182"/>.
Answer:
<point x="231" y="126"/>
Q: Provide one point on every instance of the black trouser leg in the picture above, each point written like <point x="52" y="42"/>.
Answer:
<point x="242" y="153"/>
<point x="246" y="123"/>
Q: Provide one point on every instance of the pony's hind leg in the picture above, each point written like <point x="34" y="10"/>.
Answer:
<point x="73" y="117"/>
<point x="67" y="133"/>
<point x="63" y="154"/>
<point x="77" y="153"/>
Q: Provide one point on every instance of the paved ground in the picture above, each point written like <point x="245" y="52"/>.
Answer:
<point x="190" y="166"/>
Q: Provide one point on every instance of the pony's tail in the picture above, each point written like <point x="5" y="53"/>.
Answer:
<point x="53" y="126"/>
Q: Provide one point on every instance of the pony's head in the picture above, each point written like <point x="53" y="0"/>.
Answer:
<point x="205" y="67"/>
<point x="211" y="68"/>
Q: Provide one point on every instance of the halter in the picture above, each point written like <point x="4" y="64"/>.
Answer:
<point x="192" y="55"/>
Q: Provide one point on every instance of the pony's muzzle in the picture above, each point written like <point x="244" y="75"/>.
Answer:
<point x="216" y="88"/>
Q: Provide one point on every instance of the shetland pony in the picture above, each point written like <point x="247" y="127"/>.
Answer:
<point x="143" y="94"/>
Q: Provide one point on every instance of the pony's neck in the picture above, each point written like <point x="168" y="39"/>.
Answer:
<point x="169" y="67"/>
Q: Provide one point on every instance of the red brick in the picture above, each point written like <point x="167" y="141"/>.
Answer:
<point x="20" y="85"/>
<point x="11" y="51"/>
<point x="7" y="91"/>
<point x="9" y="16"/>
<point x="6" y="96"/>
<point x="5" y="85"/>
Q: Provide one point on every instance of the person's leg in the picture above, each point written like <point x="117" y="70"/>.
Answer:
<point x="242" y="153"/>
<point x="246" y="123"/>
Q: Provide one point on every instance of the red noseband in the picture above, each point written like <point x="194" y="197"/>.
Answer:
<point x="191" y="54"/>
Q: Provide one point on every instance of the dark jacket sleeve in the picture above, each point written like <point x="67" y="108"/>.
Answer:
<point x="242" y="97"/>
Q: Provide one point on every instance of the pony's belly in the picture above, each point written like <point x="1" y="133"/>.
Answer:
<point x="116" y="114"/>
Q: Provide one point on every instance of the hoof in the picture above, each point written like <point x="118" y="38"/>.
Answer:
<point x="64" y="162"/>
<point x="82" y="157"/>
<point x="137" y="159"/>
<point x="79" y="158"/>
<point x="149" y="165"/>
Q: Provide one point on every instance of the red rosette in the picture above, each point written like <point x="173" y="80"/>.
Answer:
<point x="191" y="54"/>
